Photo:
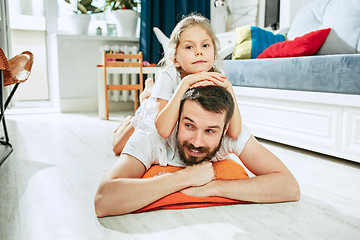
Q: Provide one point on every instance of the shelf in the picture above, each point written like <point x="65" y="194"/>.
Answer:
<point x="94" y="37"/>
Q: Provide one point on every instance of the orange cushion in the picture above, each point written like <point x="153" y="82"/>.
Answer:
<point x="225" y="170"/>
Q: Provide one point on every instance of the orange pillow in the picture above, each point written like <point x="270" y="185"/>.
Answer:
<point x="225" y="170"/>
<point x="306" y="45"/>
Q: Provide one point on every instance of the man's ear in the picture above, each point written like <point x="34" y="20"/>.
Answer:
<point x="226" y="128"/>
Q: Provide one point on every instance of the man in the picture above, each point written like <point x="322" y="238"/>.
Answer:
<point x="200" y="138"/>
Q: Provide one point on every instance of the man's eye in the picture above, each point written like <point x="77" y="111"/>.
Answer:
<point x="210" y="131"/>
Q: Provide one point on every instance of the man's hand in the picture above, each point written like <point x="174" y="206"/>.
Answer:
<point x="199" y="174"/>
<point x="201" y="191"/>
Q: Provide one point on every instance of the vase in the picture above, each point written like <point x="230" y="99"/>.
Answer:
<point x="126" y="22"/>
<point x="80" y="23"/>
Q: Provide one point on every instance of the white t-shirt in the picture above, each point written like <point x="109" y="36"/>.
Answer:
<point x="150" y="148"/>
<point x="165" y="86"/>
<point x="166" y="83"/>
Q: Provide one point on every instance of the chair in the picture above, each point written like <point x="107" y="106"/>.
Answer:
<point x="118" y="60"/>
<point x="14" y="71"/>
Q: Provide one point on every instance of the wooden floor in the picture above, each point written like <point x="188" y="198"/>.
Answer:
<point x="48" y="183"/>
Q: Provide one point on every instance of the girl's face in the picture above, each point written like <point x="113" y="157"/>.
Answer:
<point x="195" y="52"/>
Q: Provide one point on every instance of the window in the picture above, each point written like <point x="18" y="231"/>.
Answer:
<point x="28" y="33"/>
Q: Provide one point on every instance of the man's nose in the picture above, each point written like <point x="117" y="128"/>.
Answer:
<point x="197" y="140"/>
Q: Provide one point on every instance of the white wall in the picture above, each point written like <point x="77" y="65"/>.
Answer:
<point x="244" y="12"/>
<point x="288" y="10"/>
<point x="36" y="87"/>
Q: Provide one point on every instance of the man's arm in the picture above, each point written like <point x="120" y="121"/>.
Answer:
<point x="273" y="181"/>
<point x="122" y="190"/>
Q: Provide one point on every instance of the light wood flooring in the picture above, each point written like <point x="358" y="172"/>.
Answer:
<point x="47" y="186"/>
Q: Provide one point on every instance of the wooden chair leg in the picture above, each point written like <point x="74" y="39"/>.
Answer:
<point x="106" y="104"/>
<point x="136" y="101"/>
<point x="106" y="92"/>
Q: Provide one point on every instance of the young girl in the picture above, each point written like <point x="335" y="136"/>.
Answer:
<point x="190" y="61"/>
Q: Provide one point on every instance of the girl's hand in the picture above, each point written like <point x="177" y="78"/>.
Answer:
<point x="207" y="78"/>
<point x="202" y="83"/>
<point x="225" y="84"/>
<point x="204" y="79"/>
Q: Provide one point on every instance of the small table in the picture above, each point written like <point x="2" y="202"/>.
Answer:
<point x="117" y="70"/>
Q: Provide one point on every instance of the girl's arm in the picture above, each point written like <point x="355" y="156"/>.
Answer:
<point x="236" y="121"/>
<point x="168" y="111"/>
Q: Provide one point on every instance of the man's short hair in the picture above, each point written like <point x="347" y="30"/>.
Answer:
<point x="211" y="98"/>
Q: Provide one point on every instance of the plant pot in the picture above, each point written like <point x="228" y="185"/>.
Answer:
<point x="80" y="23"/>
<point x="126" y="22"/>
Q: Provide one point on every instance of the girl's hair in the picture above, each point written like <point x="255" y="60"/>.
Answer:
<point x="187" y="22"/>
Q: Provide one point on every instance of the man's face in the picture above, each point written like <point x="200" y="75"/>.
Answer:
<point x="199" y="133"/>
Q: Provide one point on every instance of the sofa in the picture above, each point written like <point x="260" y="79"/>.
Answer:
<point x="311" y="102"/>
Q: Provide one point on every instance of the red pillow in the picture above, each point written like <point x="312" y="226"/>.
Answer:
<point x="306" y="45"/>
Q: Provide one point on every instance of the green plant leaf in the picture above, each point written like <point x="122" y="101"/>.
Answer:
<point x="82" y="8"/>
<point x="86" y="3"/>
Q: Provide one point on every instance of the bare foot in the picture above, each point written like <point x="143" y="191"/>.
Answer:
<point x="122" y="135"/>
<point x="149" y="84"/>
<point x="125" y="122"/>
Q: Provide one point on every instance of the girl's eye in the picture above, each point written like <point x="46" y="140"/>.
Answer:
<point x="206" y="45"/>
<point x="188" y="47"/>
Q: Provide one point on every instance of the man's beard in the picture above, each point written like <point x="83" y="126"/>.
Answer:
<point x="191" y="160"/>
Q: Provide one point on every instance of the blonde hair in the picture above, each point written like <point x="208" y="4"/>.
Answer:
<point x="187" y="22"/>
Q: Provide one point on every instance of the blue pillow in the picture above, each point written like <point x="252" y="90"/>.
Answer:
<point x="251" y="41"/>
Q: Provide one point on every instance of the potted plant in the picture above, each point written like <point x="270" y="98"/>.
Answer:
<point x="80" y="19"/>
<point x="126" y="16"/>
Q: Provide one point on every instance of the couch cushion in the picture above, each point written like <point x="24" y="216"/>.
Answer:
<point x="251" y="41"/>
<point x="305" y="45"/>
<point x="341" y="16"/>
<point x="334" y="73"/>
